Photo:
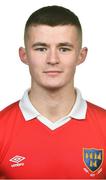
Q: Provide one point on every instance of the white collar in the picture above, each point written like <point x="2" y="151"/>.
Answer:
<point x="29" y="111"/>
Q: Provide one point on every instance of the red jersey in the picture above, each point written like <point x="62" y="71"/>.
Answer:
<point x="29" y="149"/>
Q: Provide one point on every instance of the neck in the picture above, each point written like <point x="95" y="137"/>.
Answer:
<point x="53" y="104"/>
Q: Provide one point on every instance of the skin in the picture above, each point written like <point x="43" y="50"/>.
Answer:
<point x="52" y="54"/>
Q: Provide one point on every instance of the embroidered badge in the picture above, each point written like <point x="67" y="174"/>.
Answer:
<point x="93" y="158"/>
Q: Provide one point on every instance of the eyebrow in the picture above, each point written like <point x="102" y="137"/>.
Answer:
<point x="65" y="44"/>
<point x="47" y="45"/>
<point x="39" y="44"/>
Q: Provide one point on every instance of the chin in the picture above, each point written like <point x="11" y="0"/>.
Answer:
<point x="53" y="88"/>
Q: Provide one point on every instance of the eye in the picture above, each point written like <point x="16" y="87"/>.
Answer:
<point x="41" y="49"/>
<point x="64" y="49"/>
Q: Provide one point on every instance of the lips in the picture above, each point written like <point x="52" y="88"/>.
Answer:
<point x="52" y="72"/>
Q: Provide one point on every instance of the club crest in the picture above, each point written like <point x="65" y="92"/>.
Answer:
<point x="93" y="158"/>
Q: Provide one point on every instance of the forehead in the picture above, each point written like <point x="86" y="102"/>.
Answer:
<point x="56" y="33"/>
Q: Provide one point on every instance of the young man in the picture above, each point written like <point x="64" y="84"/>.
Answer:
<point x="52" y="132"/>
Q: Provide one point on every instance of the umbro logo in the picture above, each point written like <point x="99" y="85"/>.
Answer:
<point x="17" y="159"/>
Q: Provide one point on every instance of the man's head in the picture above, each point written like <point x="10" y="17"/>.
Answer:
<point x="53" y="16"/>
<point x="53" y="47"/>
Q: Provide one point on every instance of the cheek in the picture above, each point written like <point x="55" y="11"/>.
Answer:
<point x="71" y="70"/>
<point x="35" y="67"/>
<point x="36" y="60"/>
<point x="70" y="63"/>
<point x="70" y="67"/>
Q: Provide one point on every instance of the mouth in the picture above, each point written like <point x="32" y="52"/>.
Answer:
<point x="53" y="72"/>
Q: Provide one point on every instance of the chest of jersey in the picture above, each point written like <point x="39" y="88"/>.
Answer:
<point x="74" y="150"/>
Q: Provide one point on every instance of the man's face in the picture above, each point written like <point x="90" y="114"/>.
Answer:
<point x="52" y="54"/>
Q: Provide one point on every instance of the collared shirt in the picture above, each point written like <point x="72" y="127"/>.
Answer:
<point x="30" y="112"/>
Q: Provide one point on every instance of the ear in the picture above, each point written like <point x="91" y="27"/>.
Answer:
<point x="23" y="55"/>
<point x="82" y="55"/>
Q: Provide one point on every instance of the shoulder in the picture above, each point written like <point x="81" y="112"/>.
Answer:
<point x="97" y="117"/>
<point x="96" y="114"/>
<point x="9" y="117"/>
<point x="96" y="110"/>
<point x="10" y="107"/>
<point x="9" y="111"/>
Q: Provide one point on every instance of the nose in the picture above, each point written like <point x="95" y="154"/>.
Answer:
<point x="53" y="57"/>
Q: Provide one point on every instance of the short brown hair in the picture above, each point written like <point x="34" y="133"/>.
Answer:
<point x="53" y="16"/>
